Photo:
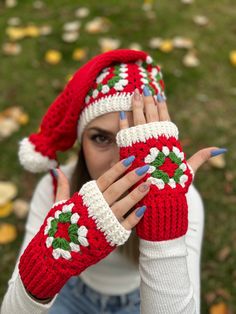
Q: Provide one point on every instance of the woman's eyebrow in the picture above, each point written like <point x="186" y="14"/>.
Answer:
<point x="101" y="130"/>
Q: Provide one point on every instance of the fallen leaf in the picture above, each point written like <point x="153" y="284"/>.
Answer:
<point x="79" y="54"/>
<point x="11" y="49"/>
<point x="232" y="57"/>
<point x="217" y="161"/>
<point x="8" y="233"/>
<point x="20" y="208"/>
<point x="71" y="26"/>
<point x="191" y="60"/>
<point x="155" y="42"/>
<point x="53" y="56"/>
<point x="10" y="3"/>
<point x="82" y="12"/>
<point x="108" y="44"/>
<point x="98" y="25"/>
<point x="182" y="42"/>
<point x="135" y="46"/>
<point x="7" y="127"/>
<point x="31" y="31"/>
<point x="223" y="293"/>
<point x="38" y="5"/>
<point x="8" y="191"/>
<point x="70" y="37"/>
<point x="15" y="33"/>
<point x="14" y="21"/>
<point x="187" y="1"/>
<point x="147" y="5"/>
<point x="45" y="30"/>
<point x="224" y="253"/>
<point x="6" y="209"/>
<point x="166" y="45"/>
<point x="200" y="20"/>
<point x="210" y="297"/>
<point x="220" y="308"/>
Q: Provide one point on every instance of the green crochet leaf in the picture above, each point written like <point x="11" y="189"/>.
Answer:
<point x="61" y="243"/>
<point x="65" y="217"/>
<point x="175" y="159"/>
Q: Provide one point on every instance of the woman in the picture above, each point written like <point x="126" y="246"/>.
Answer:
<point x="131" y="173"/>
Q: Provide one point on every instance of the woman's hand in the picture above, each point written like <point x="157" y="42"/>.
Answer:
<point x="112" y="189"/>
<point x="149" y="109"/>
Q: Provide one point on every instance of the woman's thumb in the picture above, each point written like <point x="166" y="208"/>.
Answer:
<point x="203" y="155"/>
<point x="63" y="186"/>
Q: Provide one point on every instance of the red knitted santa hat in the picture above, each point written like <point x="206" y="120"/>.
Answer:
<point x="104" y="84"/>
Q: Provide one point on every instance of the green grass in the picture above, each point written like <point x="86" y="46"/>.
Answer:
<point x="201" y="101"/>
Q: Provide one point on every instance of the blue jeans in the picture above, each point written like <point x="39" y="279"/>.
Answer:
<point x="77" y="298"/>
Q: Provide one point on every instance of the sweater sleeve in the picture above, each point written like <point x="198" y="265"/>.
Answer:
<point x="16" y="299"/>
<point x="170" y="270"/>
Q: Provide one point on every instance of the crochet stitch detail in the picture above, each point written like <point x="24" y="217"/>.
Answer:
<point x="100" y="212"/>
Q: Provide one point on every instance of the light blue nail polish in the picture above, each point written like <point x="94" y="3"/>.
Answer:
<point x="218" y="151"/>
<point x="140" y="211"/>
<point x="146" y="91"/>
<point x="160" y="98"/>
<point x="54" y="171"/>
<point x="140" y="171"/>
<point x="122" y="115"/>
<point x="128" y="161"/>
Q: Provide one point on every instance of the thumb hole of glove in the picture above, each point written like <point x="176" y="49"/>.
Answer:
<point x="198" y="159"/>
<point x="63" y="186"/>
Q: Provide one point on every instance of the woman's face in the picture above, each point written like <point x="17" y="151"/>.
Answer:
<point x="99" y="143"/>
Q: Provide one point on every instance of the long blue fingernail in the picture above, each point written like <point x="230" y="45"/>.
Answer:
<point x="122" y="115"/>
<point x="146" y="91"/>
<point x="218" y="151"/>
<point x="128" y="161"/>
<point x="160" y="98"/>
<point x="141" y="211"/>
<point x="54" y="172"/>
<point x="140" y="171"/>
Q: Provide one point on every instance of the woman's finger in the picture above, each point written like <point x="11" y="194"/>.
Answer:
<point x="138" y="107"/>
<point x="121" y="207"/>
<point x="133" y="219"/>
<point x="123" y="121"/>
<point x="111" y="175"/>
<point x="203" y="155"/>
<point x="162" y="108"/>
<point x="150" y="107"/>
<point x="63" y="186"/>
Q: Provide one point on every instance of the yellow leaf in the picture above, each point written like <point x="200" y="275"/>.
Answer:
<point x="32" y="31"/>
<point x="166" y="46"/>
<point x="190" y="60"/>
<point x="8" y="233"/>
<point x="79" y="54"/>
<point x="53" y="56"/>
<point x="15" y="33"/>
<point x="220" y="308"/>
<point x="23" y="119"/>
<point x="5" y="210"/>
<point x="8" y="191"/>
<point x="232" y="57"/>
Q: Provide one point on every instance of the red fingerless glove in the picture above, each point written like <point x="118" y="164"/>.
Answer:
<point x="156" y="144"/>
<point x="75" y="234"/>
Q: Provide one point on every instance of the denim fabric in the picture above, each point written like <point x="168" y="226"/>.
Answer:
<point x="77" y="298"/>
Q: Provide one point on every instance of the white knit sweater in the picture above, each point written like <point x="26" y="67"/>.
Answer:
<point x="168" y="273"/>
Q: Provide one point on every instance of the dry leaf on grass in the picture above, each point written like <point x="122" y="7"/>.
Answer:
<point x="98" y="25"/>
<point x="6" y="209"/>
<point x="8" y="191"/>
<point x="82" y="12"/>
<point x="70" y="37"/>
<point x="79" y="54"/>
<point x="232" y="57"/>
<point x="53" y="56"/>
<point x="182" y="42"/>
<point x="190" y="60"/>
<point x="200" y="20"/>
<point x="155" y="42"/>
<point x="8" y="233"/>
<point x="7" y="127"/>
<point x="220" y="308"/>
<point x="135" y="46"/>
<point x="108" y="44"/>
<point x="217" y="161"/>
<point x="20" y="208"/>
<point x="11" y="49"/>
<point x="224" y="253"/>
<point x="166" y="45"/>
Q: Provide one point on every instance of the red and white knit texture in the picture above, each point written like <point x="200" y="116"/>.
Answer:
<point x="157" y="144"/>
<point x="75" y="234"/>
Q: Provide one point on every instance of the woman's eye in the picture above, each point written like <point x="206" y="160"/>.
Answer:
<point x="101" y="139"/>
